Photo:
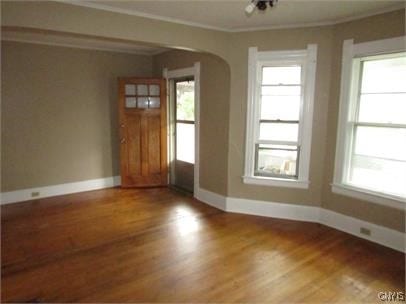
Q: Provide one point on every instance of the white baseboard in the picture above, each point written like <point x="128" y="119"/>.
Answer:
<point x="379" y="234"/>
<point x="213" y="199"/>
<point x="61" y="189"/>
<point x="276" y="210"/>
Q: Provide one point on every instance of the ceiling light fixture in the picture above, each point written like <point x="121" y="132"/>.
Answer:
<point x="260" y="5"/>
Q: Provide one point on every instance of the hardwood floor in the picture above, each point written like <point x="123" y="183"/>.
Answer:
<point x="156" y="245"/>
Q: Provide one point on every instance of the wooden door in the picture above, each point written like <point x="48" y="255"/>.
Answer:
<point x="142" y="119"/>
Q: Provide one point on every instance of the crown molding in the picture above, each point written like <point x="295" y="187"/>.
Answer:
<point x="108" y="8"/>
<point x="323" y="23"/>
<point x="75" y="46"/>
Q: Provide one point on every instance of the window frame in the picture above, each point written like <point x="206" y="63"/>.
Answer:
<point x="351" y="71"/>
<point x="307" y="58"/>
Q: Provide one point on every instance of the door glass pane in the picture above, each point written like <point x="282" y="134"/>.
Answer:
<point x="384" y="75"/>
<point x="185" y="100"/>
<point x="383" y="108"/>
<point x="281" y="90"/>
<point x="154" y="102"/>
<point x="280" y="107"/>
<point x="130" y="89"/>
<point x="378" y="174"/>
<point x="154" y="90"/>
<point x="279" y="75"/>
<point x="185" y="142"/>
<point x="276" y="160"/>
<point x="279" y="131"/>
<point x="130" y="102"/>
<point x="389" y="143"/>
<point x="142" y="89"/>
<point x="142" y="102"/>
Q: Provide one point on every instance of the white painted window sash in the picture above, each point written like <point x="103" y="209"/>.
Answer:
<point x="349" y="103"/>
<point x="256" y="61"/>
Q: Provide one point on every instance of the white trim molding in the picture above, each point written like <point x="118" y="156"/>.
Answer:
<point x="370" y="196"/>
<point x="307" y="60"/>
<point x="134" y="12"/>
<point x="384" y="236"/>
<point x="276" y="182"/>
<point x="273" y="209"/>
<point x="352" y="56"/>
<point x="213" y="199"/>
<point x="179" y="73"/>
<point x="61" y="189"/>
<point x="81" y="45"/>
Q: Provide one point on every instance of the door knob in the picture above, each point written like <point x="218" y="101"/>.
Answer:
<point x="122" y="140"/>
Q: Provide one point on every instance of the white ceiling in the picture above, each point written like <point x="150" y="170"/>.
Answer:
<point x="226" y="15"/>
<point x="229" y="15"/>
<point x="82" y="42"/>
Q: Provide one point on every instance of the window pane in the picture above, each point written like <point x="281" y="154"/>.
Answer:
<point x="154" y="102"/>
<point x="280" y="107"/>
<point x="383" y="108"/>
<point x="276" y="160"/>
<point x="130" y="89"/>
<point x="384" y="75"/>
<point x="185" y="142"/>
<point x="279" y="75"/>
<point x="154" y="90"/>
<point x="279" y="131"/>
<point x="281" y="90"/>
<point x="387" y="143"/>
<point x="130" y="102"/>
<point x="142" y="102"/>
<point x="379" y="175"/>
<point x="142" y="89"/>
<point x="185" y="100"/>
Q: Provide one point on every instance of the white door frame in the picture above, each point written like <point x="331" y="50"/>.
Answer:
<point x="193" y="71"/>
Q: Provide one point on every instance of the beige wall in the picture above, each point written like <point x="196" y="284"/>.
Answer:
<point x="373" y="28"/>
<point x="278" y="40"/>
<point x="59" y="113"/>
<point x="214" y="112"/>
<point x="329" y="40"/>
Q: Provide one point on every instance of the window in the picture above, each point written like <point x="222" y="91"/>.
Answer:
<point x="185" y="120"/>
<point x="279" y="117"/>
<point x="371" y="149"/>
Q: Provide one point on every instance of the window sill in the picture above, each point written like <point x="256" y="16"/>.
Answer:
<point x="370" y="196"/>
<point x="275" y="182"/>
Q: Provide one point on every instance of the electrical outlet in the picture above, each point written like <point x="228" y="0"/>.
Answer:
<point x="34" y="194"/>
<point x="365" y="231"/>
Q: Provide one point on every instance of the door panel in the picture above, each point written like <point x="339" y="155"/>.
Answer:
<point x="142" y="116"/>
<point x="154" y="157"/>
<point x="133" y="144"/>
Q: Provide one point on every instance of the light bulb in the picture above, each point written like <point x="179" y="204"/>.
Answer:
<point x="250" y="8"/>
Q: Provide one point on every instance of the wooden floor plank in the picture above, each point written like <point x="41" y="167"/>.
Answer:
<point x="156" y="245"/>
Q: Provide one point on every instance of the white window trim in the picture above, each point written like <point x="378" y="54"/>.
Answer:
<point x="255" y="58"/>
<point x="344" y="132"/>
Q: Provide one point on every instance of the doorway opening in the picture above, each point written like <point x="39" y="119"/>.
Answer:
<point x="183" y="127"/>
<point x="182" y="176"/>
